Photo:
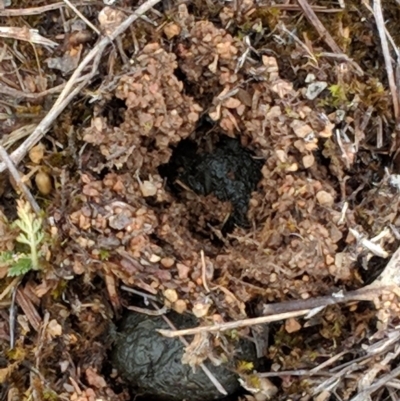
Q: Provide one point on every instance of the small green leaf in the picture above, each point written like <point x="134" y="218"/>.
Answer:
<point x="20" y="267"/>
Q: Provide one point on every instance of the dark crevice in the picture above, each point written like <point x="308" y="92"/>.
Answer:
<point x="225" y="169"/>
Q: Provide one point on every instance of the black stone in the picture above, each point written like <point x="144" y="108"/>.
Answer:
<point x="151" y="363"/>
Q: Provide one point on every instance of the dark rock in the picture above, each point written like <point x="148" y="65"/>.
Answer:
<point x="151" y="363"/>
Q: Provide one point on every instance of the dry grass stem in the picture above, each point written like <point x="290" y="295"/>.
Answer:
<point x="317" y="24"/>
<point x="232" y="325"/>
<point x="68" y="92"/>
<point x="380" y="24"/>
<point x="17" y="178"/>
<point x="81" y="16"/>
<point x="19" y="12"/>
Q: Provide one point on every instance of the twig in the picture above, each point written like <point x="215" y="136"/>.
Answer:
<point x="69" y="93"/>
<point x="13" y="313"/>
<point x="149" y="312"/>
<point x="317" y="24"/>
<point x="10" y="286"/>
<point x="345" y="58"/>
<point x="380" y="24"/>
<point x="140" y="293"/>
<point x="301" y="372"/>
<point x="18" y="12"/>
<point x="203" y="272"/>
<point x="317" y="9"/>
<point x="81" y="16"/>
<point x="232" y="325"/>
<point x="204" y="368"/>
<point x="363" y="395"/>
<point x="363" y="294"/>
<point x="29" y="310"/>
<point x="328" y="362"/>
<point x="15" y="175"/>
<point x="285" y="310"/>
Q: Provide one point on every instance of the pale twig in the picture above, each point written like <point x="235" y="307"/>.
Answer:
<point x="10" y="286"/>
<point x="285" y="310"/>
<point x="28" y="35"/>
<point x="19" y="12"/>
<point x="380" y="24"/>
<point x="317" y="9"/>
<point x="328" y="362"/>
<point x="203" y="367"/>
<point x="391" y="273"/>
<point x="363" y="395"/>
<point x="389" y="37"/>
<point x="301" y="372"/>
<point x="81" y="16"/>
<point x="345" y="58"/>
<point x="149" y="312"/>
<point x="363" y="294"/>
<point x="232" y="325"/>
<point x="15" y="175"/>
<point x="317" y="24"/>
<point x="69" y="93"/>
<point x="203" y="272"/>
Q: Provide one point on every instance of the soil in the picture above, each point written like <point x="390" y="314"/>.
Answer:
<point x="220" y="159"/>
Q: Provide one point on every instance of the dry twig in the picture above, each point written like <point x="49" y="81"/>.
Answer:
<point x="232" y="325"/>
<point x="380" y="24"/>
<point x="19" y="12"/>
<point x="317" y="24"/>
<point x="81" y="16"/>
<point x="30" y="311"/>
<point x="70" y="90"/>
<point x="15" y="175"/>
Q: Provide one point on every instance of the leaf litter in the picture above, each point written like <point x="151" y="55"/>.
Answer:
<point x="305" y="89"/>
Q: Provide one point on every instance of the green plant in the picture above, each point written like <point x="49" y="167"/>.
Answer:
<point x="31" y="234"/>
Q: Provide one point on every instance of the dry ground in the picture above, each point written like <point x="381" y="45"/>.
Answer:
<point x="95" y="99"/>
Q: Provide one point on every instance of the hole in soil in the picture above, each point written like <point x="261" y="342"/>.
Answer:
<point x="114" y="112"/>
<point x="224" y="169"/>
<point x="374" y="268"/>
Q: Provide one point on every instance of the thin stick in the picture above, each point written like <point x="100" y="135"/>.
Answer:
<point x="140" y="293"/>
<point x="18" y="12"/>
<point x="363" y="395"/>
<point x="203" y="272"/>
<point x="231" y="325"/>
<point x="81" y="16"/>
<point x="300" y="372"/>
<point x="69" y="93"/>
<point x="13" y="313"/>
<point x="15" y="175"/>
<point x="149" y="312"/>
<point x="363" y="294"/>
<point x="317" y="24"/>
<point x="380" y="24"/>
